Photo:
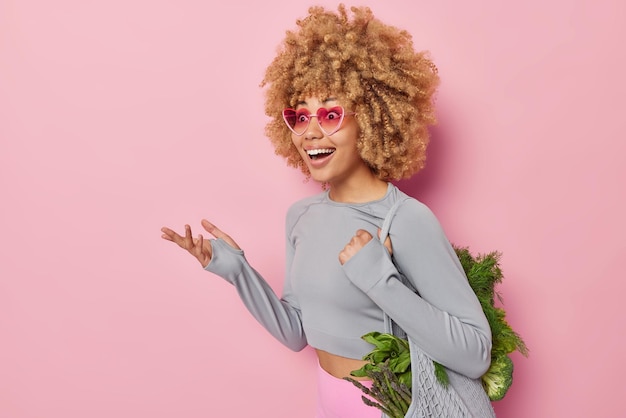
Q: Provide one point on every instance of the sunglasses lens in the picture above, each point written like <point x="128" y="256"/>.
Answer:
<point x="297" y="120"/>
<point x="330" y="119"/>
<point x="290" y="117"/>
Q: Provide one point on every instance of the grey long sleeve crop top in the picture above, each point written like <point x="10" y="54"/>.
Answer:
<point x="330" y="306"/>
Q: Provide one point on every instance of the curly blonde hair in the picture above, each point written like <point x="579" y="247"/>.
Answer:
<point x="373" y="70"/>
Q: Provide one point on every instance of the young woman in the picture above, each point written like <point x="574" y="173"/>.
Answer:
<point x="350" y="102"/>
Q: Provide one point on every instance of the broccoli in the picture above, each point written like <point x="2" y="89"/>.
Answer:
<point x="498" y="379"/>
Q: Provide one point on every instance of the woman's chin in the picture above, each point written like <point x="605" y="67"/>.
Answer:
<point x="319" y="177"/>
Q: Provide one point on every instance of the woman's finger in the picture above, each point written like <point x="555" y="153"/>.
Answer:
<point x="167" y="234"/>
<point x="200" y="247"/>
<point x="188" y="238"/>
<point x="218" y="233"/>
<point x="363" y="234"/>
<point x="200" y="241"/>
<point x="170" y="235"/>
<point x="205" y="252"/>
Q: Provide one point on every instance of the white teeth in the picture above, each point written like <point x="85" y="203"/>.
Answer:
<point x="313" y="152"/>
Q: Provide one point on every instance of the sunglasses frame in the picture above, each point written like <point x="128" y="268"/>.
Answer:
<point x="310" y="116"/>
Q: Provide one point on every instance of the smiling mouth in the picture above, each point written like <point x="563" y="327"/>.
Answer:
<point x="315" y="154"/>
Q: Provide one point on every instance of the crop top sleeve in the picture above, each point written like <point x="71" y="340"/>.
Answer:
<point x="280" y="316"/>
<point x="445" y="319"/>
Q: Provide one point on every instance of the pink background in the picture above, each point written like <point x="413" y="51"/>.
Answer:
<point x="118" y="117"/>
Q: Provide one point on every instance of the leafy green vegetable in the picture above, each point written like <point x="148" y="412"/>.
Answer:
<point x="390" y="352"/>
<point x="483" y="273"/>
<point x="441" y="374"/>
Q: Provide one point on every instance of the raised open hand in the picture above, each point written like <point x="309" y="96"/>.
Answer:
<point x="198" y="247"/>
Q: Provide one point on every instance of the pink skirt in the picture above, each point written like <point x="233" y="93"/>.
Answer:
<point x="338" y="398"/>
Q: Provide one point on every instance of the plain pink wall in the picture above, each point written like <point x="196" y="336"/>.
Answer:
<point x="118" y="117"/>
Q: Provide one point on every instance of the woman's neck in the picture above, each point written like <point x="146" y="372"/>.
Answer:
<point x="358" y="191"/>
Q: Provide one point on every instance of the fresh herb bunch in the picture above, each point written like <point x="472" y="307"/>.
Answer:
<point x="483" y="273"/>
<point x="389" y="363"/>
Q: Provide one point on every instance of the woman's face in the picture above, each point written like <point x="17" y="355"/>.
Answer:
<point x="334" y="158"/>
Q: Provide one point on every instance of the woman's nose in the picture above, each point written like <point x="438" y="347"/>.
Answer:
<point x="313" y="131"/>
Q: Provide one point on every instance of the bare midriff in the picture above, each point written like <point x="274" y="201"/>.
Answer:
<point x="338" y="366"/>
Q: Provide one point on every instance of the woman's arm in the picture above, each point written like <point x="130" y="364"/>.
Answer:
<point x="222" y="256"/>
<point x="445" y="319"/>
